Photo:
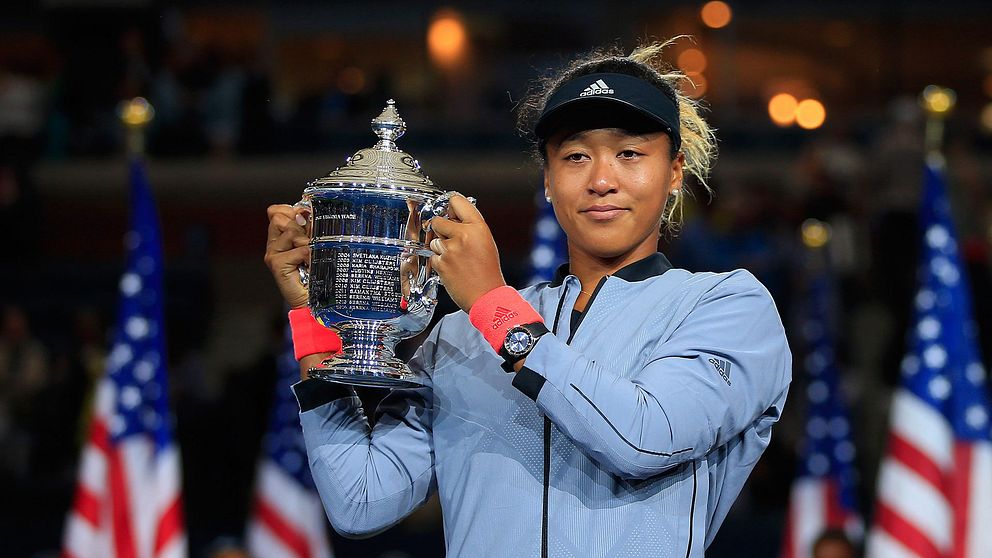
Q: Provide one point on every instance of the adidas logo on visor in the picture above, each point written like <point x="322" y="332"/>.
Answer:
<point x="597" y="87"/>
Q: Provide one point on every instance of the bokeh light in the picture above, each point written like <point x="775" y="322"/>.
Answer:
<point x="986" y="119"/>
<point x="815" y="234"/>
<point x="136" y="112"/>
<point x="716" y="14"/>
<point x="351" y="80"/>
<point x="938" y="100"/>
<point x="810" y="114"/>
<point x="782" y="109"/>
<point x="447" y="38"/>
<point x="692" y="61"/>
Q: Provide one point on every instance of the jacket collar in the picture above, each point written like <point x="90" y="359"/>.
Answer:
<point x="651" y="266"/>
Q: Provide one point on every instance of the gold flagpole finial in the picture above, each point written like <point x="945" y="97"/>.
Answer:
<point x="937" y="102"/>
<point x="136" y="113"/>
<point x="815" y="234"/>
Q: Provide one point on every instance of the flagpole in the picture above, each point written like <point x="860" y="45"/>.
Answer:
<point x="135" y="114"/>
<point x="129" y="490"/>
<point x="934" y="489"/>
<point x="823" y="509"/>
<point x="938" y="103"/>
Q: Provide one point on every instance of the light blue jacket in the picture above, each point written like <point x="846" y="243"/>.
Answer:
<point x="631" y="437"/>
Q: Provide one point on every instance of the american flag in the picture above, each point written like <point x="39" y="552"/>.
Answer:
<point x="823" y="493"/>
<point x="128" y="501"/>
<point x="288" y="520"/>
<point x="934" y="495"/>
<point x="550" y="248"/>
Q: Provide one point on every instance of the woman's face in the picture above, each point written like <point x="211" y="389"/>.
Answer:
<point x="609" y="188"/>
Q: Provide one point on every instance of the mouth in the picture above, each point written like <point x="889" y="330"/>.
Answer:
<point x="603" y="212"/>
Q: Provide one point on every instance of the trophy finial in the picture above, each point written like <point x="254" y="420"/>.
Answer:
<point x="389" y="127"/>
<point x="383" y="164"/>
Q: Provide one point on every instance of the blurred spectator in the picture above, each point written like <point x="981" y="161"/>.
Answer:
<point x="221" y="109"/>
<point x="833" y="543"/>
<point x="22" y="117"/>
<point x="137" y="71"/>
<point x="257" y="125"/>
<point x="22" y="105"/>
<point x="85" y="365"/>
<point x="226" y="547"/>
<point x="23" y="369"/>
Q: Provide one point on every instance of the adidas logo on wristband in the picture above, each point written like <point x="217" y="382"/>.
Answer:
<point x="503" y="315"/>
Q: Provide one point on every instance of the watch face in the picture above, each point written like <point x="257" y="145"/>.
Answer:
<point x="517" y="342"/>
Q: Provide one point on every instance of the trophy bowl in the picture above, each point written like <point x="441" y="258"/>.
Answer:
<point x="369" y="278"/>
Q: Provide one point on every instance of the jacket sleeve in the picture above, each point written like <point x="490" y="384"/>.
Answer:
<point x="724" y="368"/>
<point x="371" y="478"/>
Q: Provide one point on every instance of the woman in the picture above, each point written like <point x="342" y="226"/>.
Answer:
<point x="639" y="396"/>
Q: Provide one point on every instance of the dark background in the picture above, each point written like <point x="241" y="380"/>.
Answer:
<point x="254" y="99"/>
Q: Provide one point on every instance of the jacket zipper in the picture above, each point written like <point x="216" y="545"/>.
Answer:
<point x="547" y="421"/>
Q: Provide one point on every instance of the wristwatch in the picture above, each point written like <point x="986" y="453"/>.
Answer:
<point x="519" y="341"/>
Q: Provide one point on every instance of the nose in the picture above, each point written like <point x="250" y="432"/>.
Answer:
<point x="603" y="179"/>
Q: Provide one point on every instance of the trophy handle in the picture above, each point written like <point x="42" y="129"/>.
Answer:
<point x="438" y="208"/>
<point x="304" y="270"/>
<point x="424" y="295"/>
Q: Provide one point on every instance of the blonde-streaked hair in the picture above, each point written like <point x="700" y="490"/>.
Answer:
<point x="645" y="62"/>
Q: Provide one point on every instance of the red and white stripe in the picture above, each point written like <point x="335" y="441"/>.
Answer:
<point x="934" y="495"/>
<point x="288" y="520"/>
<point x="814" y="506"/>
<point x="128" y="501"/>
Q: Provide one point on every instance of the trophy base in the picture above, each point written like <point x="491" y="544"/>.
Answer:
<point x="385" y="373"/>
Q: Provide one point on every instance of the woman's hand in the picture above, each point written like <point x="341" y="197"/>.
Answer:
<point x="287" y="248"/>
<point x="465" y="254"/>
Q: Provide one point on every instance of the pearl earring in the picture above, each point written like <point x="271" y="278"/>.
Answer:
<point x="548" y="198"/>
<point x="676" y="192"/>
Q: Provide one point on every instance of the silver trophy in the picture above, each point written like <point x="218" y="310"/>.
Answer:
<point x="370" y="278"/>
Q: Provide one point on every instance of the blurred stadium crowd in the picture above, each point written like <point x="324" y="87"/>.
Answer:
<point x="247" y="91"/>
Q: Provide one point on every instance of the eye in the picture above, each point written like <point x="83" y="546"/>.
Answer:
<point x="576" y="157"/>
<point x="628" y="154"/>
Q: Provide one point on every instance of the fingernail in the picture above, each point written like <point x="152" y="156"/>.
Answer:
<point x="301" y="220"/>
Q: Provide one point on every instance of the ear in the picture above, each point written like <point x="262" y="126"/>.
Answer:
<point x="547" y="184"/>
<point x="677" y="166"/>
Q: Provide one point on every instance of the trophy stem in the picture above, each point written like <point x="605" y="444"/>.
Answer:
<point x="366" y="359"/>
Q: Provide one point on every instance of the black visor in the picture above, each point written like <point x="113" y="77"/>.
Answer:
<point x="609" y="100"/>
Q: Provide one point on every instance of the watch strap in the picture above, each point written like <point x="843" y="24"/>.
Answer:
<point x="536" y="330"/>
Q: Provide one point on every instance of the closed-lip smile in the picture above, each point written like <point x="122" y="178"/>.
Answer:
<point x="603" y="211"/>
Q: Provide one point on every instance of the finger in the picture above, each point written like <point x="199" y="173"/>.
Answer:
<point x="278" y="223"/>
<point x="281" y="223"/>
<point x="280" y="209"/>
<point x="436" y="263"/>
<point x="445" y="228"/>
<point x="286" y="265"/>
<point x="437" y="246"/>
<point x="302" y="214"/>
<point x="292" y="237"/>
<point x="463" y="210"/>
<point x="289" y="261"/>
<point x="283" y="215"/>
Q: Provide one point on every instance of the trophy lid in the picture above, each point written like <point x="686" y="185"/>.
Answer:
<point x="384" y="165"/>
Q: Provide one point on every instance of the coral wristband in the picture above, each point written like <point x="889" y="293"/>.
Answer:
<point x="309" y="337"/>
<point x="499" y="311"/>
